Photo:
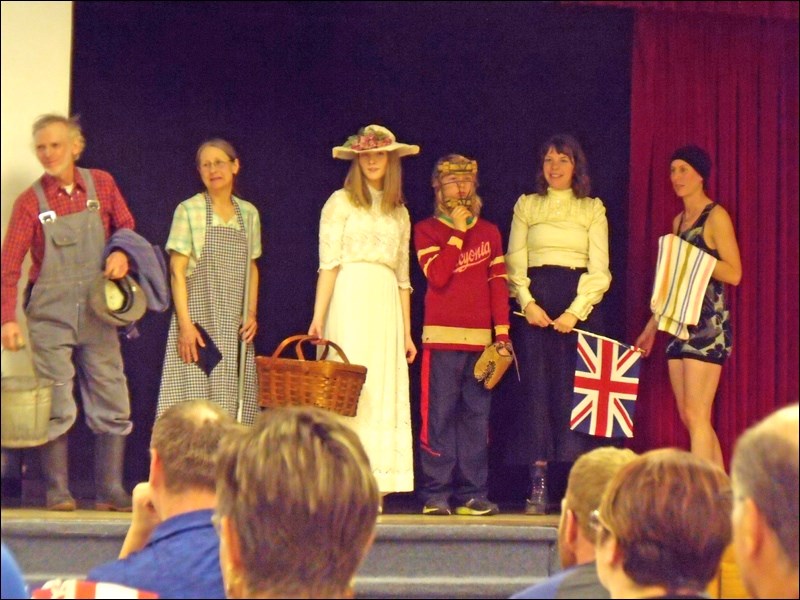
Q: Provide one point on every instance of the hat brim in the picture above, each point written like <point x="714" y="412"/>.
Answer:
<point x="401" y="149"/>
<point x="121" y="318"/>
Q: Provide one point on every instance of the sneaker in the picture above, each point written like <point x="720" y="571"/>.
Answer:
<point x="436" y="507"/>
<point x="478" y="507"/>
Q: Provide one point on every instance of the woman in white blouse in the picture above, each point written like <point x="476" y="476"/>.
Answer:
<point x="363" y="299"/>
<point x="558" y="271"/>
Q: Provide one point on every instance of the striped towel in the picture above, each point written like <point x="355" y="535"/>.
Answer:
<point x="79" y="588"/>
<point x="682" y="275"/>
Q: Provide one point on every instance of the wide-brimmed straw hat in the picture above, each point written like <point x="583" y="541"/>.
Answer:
<point x="118" y="302"/>
<point x="373" y="138"/>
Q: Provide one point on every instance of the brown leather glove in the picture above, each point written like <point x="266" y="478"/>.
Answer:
<point x="492" y="365"/>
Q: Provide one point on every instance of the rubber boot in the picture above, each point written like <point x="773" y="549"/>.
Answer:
<point x="537" y="503"/>
<point x="109" y="460"/>
<point x="55" y="468"/>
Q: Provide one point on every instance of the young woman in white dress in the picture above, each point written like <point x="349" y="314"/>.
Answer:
<point x="363" y="298"/>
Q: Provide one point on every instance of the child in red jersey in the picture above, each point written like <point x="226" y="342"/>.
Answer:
<point x="466" y="308"/>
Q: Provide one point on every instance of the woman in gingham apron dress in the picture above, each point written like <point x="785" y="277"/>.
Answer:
<point x="214" y="290"/>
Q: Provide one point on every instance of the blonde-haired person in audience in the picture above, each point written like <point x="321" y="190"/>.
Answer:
<point x="297" y="505"/>
<point x="576" y="537"/>
<point x="662" y="526"/>
<point x="765" y="518"/>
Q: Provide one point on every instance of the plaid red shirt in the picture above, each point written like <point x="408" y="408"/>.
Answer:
<point x="25" y="231"/>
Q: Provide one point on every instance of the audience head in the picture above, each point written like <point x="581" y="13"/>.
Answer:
<point x="662" y="525"/>
<point x="185" y="442"/>
<point x="587" y="480"/>
<point x="297" y="505"/>
<point x="764" y="472"/>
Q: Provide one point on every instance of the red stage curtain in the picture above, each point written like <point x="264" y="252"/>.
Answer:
<point x="781" y="9"/>
<point x="730" y="84"/>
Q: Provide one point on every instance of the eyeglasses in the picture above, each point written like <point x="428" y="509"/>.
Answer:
<point x="216" y="165"/>
<point x="596" y="523"/>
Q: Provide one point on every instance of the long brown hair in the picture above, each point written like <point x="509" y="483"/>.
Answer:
<point x="356" y="185"/>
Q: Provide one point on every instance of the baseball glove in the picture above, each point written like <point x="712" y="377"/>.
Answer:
<point x="492" y="365"/>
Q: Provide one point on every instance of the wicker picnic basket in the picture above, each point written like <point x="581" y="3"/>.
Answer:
<point x="324" y="383"/>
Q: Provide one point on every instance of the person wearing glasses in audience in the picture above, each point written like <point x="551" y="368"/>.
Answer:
<point x="213" y="244"/>
<point x="662" y="526"/>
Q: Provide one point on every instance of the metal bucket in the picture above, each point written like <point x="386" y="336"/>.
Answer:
<point x="25" y="411"/>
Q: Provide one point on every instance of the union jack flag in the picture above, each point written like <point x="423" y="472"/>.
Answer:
<point x="606" y="384"/>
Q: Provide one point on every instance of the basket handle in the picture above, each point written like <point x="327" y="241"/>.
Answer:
<point x="307" y="338"/>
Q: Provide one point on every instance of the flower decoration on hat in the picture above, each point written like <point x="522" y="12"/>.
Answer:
<point x="368" y="139"/>
<point x="373" y="138"/>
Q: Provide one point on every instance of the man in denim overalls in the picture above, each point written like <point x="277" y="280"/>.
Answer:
<point x="64" y="220"/>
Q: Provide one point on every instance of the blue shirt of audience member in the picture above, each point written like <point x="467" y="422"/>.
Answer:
<point x="181" y="560"/>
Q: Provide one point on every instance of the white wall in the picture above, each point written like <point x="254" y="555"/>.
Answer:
<point x="36" y="60"/>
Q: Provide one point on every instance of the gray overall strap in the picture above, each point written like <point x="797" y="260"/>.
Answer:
<point x="45" y="213"/>
<point x="91" y="192"/>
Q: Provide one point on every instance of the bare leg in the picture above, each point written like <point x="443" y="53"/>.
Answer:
<point x="694" y="383"/>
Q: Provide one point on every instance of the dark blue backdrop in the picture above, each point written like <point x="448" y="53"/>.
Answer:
<point x="285" y="82"/>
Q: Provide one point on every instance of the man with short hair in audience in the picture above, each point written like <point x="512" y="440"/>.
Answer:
<point x="576" y="538"/>
<point x="297" y="505"/>
<point x="764" y="471"/>
<point x="172" y="547"/>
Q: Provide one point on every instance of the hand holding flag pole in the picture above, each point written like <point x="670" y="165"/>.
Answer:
<point x="606" y="386"/>
<point x="583" y="331"/>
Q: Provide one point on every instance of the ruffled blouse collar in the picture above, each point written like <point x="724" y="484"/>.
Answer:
<point x="560" y="194"/>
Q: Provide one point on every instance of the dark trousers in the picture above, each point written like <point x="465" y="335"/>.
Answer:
<point x="455" y="427"/>
<point x="547" y="367"/>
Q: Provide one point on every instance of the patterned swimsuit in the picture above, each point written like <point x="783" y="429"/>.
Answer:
<point x="710" y="339"/>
